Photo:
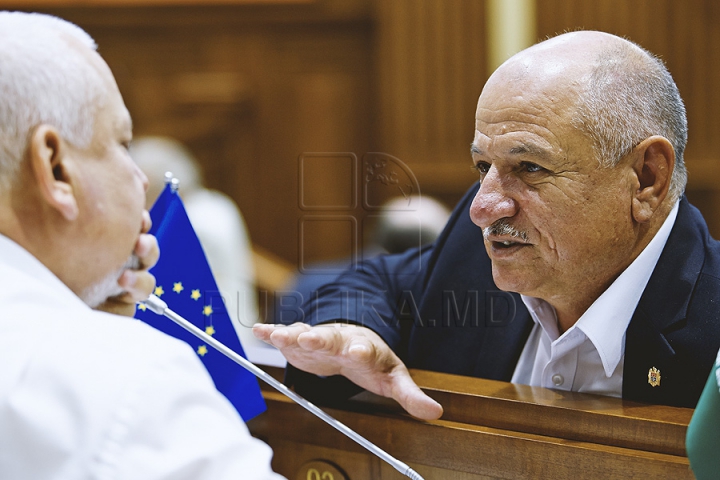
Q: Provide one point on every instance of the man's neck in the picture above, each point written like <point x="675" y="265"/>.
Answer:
<point x="569" y="308"/>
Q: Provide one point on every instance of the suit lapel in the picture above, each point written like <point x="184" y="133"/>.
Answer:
<point x="662" y="309"/>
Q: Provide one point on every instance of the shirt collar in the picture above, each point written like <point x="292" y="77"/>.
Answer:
<point x="607" y="319"/>
<point x="16" y="258"/>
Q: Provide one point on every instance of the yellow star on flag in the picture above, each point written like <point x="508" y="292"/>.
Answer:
<point x="142" y="306"/>
<point x="210" y="330"/>
<point x="195" y="294"/>
<point x="159" y="291"/>
<point x="202" y="350"/>
<point x="207" y="310"/>
<point x="177" y="287"/>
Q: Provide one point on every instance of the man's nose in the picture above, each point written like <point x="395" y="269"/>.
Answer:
<point x="493" y="200"/>
<point x="143" y="178"/>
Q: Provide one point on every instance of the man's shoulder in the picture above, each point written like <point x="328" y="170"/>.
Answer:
<point x="81" y="341"/>
<point x="693" y="246"/>
<point x="111" y="337"/>
<point x="92" y="360"/>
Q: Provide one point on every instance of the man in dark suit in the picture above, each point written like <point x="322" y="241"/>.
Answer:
<point x="579" y="144"/>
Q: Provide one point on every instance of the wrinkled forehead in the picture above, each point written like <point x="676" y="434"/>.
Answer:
<point x="542" y="79"/>
<point x="555" y="70"/>
<point x="521" y="96"/>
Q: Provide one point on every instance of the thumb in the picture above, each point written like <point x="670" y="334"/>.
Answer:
<point x="406" y="392"/>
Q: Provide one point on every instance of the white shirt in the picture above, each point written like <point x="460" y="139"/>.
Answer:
<point x="589" y="356"/>
<point x="89" y="395"/>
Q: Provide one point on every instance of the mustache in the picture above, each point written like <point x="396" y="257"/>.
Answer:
<point x="503" y="228"/>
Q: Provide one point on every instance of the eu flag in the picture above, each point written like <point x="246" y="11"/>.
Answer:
<point x="185" y="282"/>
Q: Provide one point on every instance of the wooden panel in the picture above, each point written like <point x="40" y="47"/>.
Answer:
<point x="431" y="59"/>
<point x="252" y="85"/>
<point x="569" y="415"/>
<point x="26" y="4"/>
<point x="249" y="89"/>
<point x="489" y="430"/>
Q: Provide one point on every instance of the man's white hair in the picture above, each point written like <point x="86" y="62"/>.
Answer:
<point x="44" y="79"/>
<point x="630" y="96"/>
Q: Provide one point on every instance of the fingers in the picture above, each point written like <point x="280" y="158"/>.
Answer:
<point x="146" y="222"/>
<point x="147" y="251"/>
<point x="262" y="331"/>
<point x="280" y="336"/>
<point x="322" y="338"/>
<point x="320" y="350"/>
<point x="328" y="339"/>
<point x="146" y="247"/>
<point x="137" y="284"/>
<point x="355" y="352"/>
<point x="361" y="351"/>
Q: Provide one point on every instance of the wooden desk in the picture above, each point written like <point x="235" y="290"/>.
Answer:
<point x="489" y="430"/>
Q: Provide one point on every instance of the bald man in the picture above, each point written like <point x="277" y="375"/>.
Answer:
<point x="576" y="263"/>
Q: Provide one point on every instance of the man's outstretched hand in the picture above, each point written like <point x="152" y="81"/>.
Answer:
<point x="356" y="352"/>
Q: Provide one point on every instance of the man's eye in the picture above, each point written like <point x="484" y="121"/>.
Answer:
<point x="481" y="167"/>
<point x="532" y="167"/>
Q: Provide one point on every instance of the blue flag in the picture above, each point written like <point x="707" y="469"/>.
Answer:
<point x="185" y="282"/>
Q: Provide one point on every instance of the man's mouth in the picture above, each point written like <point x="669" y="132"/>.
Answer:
<point x="507" y="245"/>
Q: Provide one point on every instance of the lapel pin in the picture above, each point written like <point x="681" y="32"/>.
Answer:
<point x="654" y="377"/>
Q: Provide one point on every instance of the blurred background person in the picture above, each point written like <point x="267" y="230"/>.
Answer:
<point x="402" y="222"/>
<point x="217" y="221"/>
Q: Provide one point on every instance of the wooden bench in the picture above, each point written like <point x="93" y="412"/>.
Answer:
<point x="489" y="429"/>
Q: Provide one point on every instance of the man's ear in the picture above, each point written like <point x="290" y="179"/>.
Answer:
<point x="48" y="158"/>
<point x="653" y="164"/>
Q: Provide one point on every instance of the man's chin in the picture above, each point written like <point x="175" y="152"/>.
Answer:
<point x="511" y="283"/>
<point x="99" y="292"/>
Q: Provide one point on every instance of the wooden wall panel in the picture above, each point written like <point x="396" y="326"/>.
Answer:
<point x="252" y="85"/>
<point x="431" y="68"/>
<point x="249" y="89"/>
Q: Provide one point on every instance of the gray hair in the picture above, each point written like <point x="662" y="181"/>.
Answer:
<point x="44" y="79"/>
<point x="629" y="97"/>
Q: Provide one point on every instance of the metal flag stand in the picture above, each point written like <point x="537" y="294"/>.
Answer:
<point x="160" y="307"/>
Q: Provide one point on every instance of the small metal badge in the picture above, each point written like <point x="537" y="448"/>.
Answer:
<point x="654" y="377"/>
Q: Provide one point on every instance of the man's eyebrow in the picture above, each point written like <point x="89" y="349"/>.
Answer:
<point x="522" y="149"/>
<point x="530" y="149"/>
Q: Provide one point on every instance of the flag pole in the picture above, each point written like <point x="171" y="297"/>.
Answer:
<point x="158" y="306"/>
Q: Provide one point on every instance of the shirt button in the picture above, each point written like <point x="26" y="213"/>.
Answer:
<point x="557" y="379"/>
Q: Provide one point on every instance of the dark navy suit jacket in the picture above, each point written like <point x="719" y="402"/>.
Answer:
<point x="440" y="310"/>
